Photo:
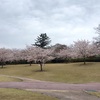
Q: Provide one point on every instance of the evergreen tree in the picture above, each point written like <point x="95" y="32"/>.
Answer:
<point x="97" y="39"/>
<point x="42" y="40"/>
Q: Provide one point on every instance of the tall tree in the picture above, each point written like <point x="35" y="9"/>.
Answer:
<point x="42" y="40"/>
<point x="97" y="39"/>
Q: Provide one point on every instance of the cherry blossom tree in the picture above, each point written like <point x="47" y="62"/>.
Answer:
<point x="5" y="55"/>
<point x="30" y="54"/>
<point x="16" y="55"/>
<point x="23" y="55"/>
<point x="81" y="49"/>
<point x="63" y="54"/>
<point x="93" y="50"/>
<point x="38" y="55"/>
<point x="59" y="51"/>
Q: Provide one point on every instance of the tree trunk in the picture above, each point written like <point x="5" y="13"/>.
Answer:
<point x="2" y="66"/>
<point x="30" y="63"/>
<point x="41" y="66"/>
<point x="84" y="61"/>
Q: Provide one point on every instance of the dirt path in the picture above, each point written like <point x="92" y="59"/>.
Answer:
<point x="62" y="91"/>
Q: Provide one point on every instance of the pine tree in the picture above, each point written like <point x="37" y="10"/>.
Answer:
<point x="42" y="40"/>
<point x="97" y="39"/>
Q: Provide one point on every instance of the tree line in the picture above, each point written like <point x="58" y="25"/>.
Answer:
<point x="40" y="52"/>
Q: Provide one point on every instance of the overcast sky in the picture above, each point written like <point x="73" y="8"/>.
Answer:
<point x="64" y="21"/>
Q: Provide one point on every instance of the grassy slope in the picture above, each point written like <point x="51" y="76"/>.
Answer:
<point x="69" y="73"/>
<point x="7" y="79"/>
<point x="15" y="94"/>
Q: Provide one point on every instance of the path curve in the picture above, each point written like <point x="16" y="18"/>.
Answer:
<point x="28" y="83"/>
<point x="54" y="87"/>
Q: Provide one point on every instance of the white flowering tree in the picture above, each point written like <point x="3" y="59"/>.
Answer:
<point x="93" y="50"/>
<point x="64" y="53"/>
<point x="81" y="49"/>
<point x="16" y="55"/>
<point x="30" y="54"/>
<point x="5" y="55"/>
<point x="38" y="55"/>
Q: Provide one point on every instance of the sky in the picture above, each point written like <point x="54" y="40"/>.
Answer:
<point x="64" y="21"/>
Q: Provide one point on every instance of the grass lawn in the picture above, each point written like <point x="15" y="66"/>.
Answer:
<point x="7" y="79"/>
<point x="68" y="73"/>
<point x="95" y="94"/>
<point x="15" y="94"/>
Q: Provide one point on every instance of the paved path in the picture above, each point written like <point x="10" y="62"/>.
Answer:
<point x="50" y="86"/>
<point x="62" y="91"/>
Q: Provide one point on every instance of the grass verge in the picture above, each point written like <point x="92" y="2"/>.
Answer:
<point x="7" y="79"/>
<point x="95" y="94"/>
<point x="15" y="94"/>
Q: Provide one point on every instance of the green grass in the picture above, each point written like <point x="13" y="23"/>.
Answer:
<point x="7" y="79"/>
<point x="15" y="94"/>
<point x="68" y="73"/>
<point x="95" y="94"/>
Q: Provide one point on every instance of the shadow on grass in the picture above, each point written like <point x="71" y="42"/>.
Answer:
<point x="27" y="66"/>
<point x="40" y="71"/>
<point x="84" y="65"/>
